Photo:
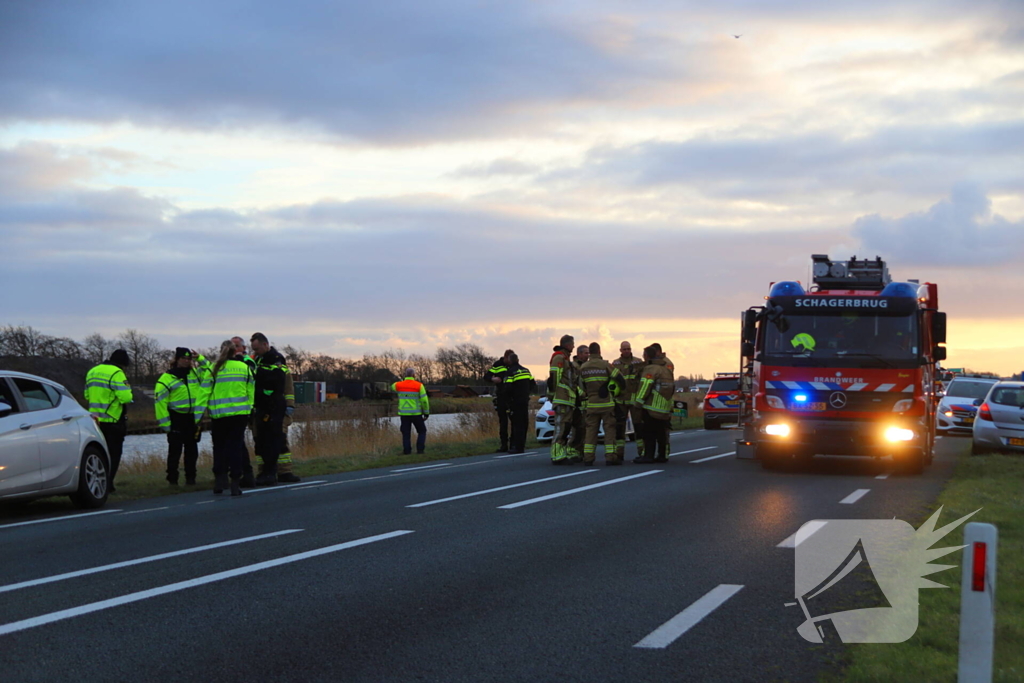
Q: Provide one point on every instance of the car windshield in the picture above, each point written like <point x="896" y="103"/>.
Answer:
<point x="725" y="384"/>
<point x="849" y="335"/>
<point x="965" y="388"/>
<point x="1008" y="396"/>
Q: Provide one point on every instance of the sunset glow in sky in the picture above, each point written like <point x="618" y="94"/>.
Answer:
<point x="351" y="177"/>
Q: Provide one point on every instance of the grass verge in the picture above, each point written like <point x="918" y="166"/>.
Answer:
<point x="994" y="483"/>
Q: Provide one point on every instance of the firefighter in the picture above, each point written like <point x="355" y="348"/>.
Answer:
<point x="496" y="375"/>
<point x="658" y="353"/>
<point x="270" y="407"/>
<point x="562" y="381"/>
<point x="654" y="396"/>
<point x="231" y="399"/>
<point x="602" y="383"/>
<point x="520" y="385"/>
<point x="629" y="366"/>
<point x="180" y="398"/>
<point x="108" y="395"/>
<point x="413" y="411"/>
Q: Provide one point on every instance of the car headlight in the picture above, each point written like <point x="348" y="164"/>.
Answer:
<point x="896" y="434"/>
<point x="774" y="402"/>
<point x="904" y="405"/>
<point x="777" y="429"/>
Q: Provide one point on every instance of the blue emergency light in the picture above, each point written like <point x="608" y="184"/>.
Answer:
<point x="800" y="398"/>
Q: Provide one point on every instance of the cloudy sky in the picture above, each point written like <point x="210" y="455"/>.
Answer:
<point x="350" y="177"/>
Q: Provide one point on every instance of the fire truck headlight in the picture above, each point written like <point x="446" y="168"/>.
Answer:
<point x="777" y="430"/>
<point x="896" y="434"/>
<point x="903" y="405"/>
<point x="774" y="402"/>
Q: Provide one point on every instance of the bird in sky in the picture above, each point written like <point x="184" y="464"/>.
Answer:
<point x="735" y="36"/>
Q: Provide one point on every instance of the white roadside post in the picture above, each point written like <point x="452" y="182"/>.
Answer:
<point x="978" y="603"/>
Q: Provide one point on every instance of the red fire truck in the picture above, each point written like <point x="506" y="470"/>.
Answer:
<point x="845" y="367"/>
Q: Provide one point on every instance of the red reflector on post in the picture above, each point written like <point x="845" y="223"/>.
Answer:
<point x="978" y="568"/>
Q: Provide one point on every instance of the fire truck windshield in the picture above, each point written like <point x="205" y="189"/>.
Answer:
<point x="850" y="336"/>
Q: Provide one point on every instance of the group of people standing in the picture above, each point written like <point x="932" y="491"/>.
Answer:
<point x="589" y="392"/>
<point x="237" y="390"/>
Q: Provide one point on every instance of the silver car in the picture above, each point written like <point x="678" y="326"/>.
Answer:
<point x="1000" y="422"/>
<point x="49" y="444"/>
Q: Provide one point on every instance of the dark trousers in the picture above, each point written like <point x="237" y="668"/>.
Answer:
<point x="504" y="416"/>
<point x="268" y="435"/>
<point x="519" y="417"/>
<point x="229" y="448"/>
<point x="184" y="436"/>
<point x="114" y="433"/>
<point x="655" y="436"/>
<point x="408" y="421"/>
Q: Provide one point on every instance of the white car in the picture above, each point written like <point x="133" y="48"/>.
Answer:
<point x="959" y="404"/>
<point x="49" y="444"/>
<point x="544" y="423"/>
<point x="1000" y="423"/>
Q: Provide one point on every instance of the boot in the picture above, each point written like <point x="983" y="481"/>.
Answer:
<point x="266" y="478"/>
<point x="190" y="481"/>
<point x="236" y="488"/>
<point x="287" y="478"/>
<point x="172" y="479"/>
<point x="248" y="481"/>
<point x="220" y="482"/>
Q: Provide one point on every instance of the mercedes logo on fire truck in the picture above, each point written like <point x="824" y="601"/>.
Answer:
<point x="837" y="400"/>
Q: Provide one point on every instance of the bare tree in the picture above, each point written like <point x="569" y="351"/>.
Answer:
<point x="95" y="348"/>
<point x="144" y="351"/>
<point x="21" y="341"/>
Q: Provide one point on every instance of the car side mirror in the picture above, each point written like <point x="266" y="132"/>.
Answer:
<point x="939" y="353"/>
<point x="978" y="401"/>
<point x="938" y="328"/>
<point x="749" y="326"/>
<point x="747" y="349"/>
<point x="4" y="408"/>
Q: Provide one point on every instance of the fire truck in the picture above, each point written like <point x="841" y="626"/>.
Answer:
<point x="845" y="367"/>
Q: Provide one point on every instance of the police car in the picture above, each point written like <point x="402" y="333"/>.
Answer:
<point x="959" y="406"/>
<point x="544" y="423"/>
<point x="723" y="400"/>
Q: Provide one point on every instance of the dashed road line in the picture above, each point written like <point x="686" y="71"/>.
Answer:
<point x="694" y="450"/>
<point x="579" y="490"/>
<point x="52" y="617"/>
<point x="515" y="455"/>
<point x="669" y="632"/>
<point x="424" y="467"/>
<point x="280" y="487"/>
<point x="854" y="497"/>
<point x="59" y="519"/>
<point x="500" y="488"/>
<point x="142" y="560"/>
<point x="802" y="534"/>
<point x="883" y="476"/>
<point x="713" y="457"/>
<point x="136" y="512"/>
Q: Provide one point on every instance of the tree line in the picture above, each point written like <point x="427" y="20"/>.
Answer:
<point x="461" y="364"/>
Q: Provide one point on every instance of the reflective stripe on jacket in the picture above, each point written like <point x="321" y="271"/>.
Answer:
<point x="601" y="382"/>
<point x="412" y="397"/>
<point x="188" y="395"/>
<point x="107" y="392"/>
<point x="630" y="369"/>
<point x="656" y="388"/>
<point x="563" y="374"/>
<point x="233" y="390"/>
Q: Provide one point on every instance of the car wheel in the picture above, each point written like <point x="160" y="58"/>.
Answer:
<point x="978" y="449"/>
<point x="93" y="480"/>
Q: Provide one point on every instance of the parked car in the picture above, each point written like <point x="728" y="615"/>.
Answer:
<point x="959" y="404"/>
<point x="1000" y="422"/>
<point x="49" y="444"/>
<point x="722" y="402"/>
<point x="544" y="423"/>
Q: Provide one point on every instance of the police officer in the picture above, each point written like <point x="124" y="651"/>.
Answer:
<point x="180" y="398"/>
<point x="562" y="387"/>
<point x="413" y="411"/>
<point x="520" y="385"/>
<point x="108" y="395"/>
<point x="654" y="396"/>
<point x="601" y="382"/>
<point x="496" y="375"/>
<point x="629" y="366"/>
<point x="232" y="393"/>
<point x="270" y="407"/>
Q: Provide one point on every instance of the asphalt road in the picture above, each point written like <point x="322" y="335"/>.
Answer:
<point x="476" y="569"/>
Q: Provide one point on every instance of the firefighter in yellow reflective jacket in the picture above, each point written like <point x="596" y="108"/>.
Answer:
<point x="654" y="396"/>
<point x="602" y="383"/>
<point x="108" y="395"/>
<point x="180" y="399"/>
<point x="232" y="395"/>
<point x="413" y="411"/>
<point x="563" y="390"/>
<point x="629" y="366"/>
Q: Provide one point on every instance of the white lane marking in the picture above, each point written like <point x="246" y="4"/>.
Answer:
<point x="135" y="512"/>
<point x="500" y="488"/>
<point x="713" y="457"/>
<point x="854" y="497"/>
<point x="802" y="534"/>
<point x="205" y="502"/>
<point x="883" y="476"/>
<point x="24" y="624"/>
<point x="937" y="438"/>
<point x="142" y="560"/>
<point x="425" y="467"/>
<point x="579" y="490"/>
<point x="694" y="450"/>
<point x="279" y="487"/>
<point x="515" y="455"/>
<point x="353" y="481"/>
<point x="59" y="519"/>
<point x="667" y="633"/>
